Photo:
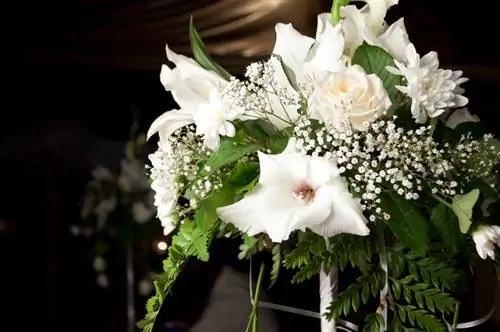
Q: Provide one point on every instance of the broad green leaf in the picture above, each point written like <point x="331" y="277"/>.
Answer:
<point x="475" y="129"/>
<point x="462" y="205"/>
<point x="200" y="54"/>
<point x="406" y="222"/>
<point x="242" y="175"/>
<point x="374" y="60"/>
<point x="229" y="152"/>
<point x="446" y="223"/>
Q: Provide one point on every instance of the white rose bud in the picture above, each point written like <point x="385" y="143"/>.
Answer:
<point x="349" y="98"/>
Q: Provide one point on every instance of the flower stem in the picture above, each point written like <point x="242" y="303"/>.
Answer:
<point x="337" y="4"/>
<point x="442" y="201"/>
<point x="252" y="321"/>
<point x="455" y="317"/>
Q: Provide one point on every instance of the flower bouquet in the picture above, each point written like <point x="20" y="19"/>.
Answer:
<point x="344" y="149"/>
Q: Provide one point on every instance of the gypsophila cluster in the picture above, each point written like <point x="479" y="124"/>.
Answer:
<point x="254" y="94"/>
<point x="476" y="158"/>
<point x="383" y="158"/>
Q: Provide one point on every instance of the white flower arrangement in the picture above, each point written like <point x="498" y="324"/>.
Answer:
<point x="117" y="209"/>
<point x="339" y="149"/>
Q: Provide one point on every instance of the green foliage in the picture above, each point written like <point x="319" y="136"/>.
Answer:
<point x="409" y="314"/>
<point x="406" y="222"/>
<point x="462" y="205"/>
<point x="248" y="247"/>
<point x="424" y="295"/>
<point x="417" y="290"/>
<point x="311" y="251"/>
<point x="229" y="152"/>
<point x="374" y="60"/>
<point x="276" y="252"/>
<point x="436" y="271"/>
<point x="200" y="54"/>
<point x="243" y="175"/>
<point x="358" y="293"/>
<point x="190" y="241"/>
<point x="374" y="322"/>
<point x="262" y="132"/>
<point x="446" y="223"/>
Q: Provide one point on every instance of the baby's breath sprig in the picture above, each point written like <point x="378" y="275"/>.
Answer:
<point x="382" y="158"/>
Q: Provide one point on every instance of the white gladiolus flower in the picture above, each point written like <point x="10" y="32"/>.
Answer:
<point x="486" y="238"/>
<point x="296" y="192"/>
<point x="460" y="116"/>
<point x="195" y="90"/>
<point x="349" y="98"/>
<point x="433" y="90"/>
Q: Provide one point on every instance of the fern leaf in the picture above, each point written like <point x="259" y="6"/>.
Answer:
<point x="420" y="318"/>
<point x="276" y="265"/>
<point x="374" y="322"/>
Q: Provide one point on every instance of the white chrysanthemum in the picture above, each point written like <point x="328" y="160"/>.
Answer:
<point x="433" y="90"/>
<point x="486" y="237"/>
<point x="164" y="185"/>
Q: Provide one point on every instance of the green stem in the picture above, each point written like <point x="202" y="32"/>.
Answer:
<point x="442" y="201"/>
<point x="255" y="302"/>
<point x="433" y="123"/>
<point x="337" y="4"/>
<point x="455" y="317"/>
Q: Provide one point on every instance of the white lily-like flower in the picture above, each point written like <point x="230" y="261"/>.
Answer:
<point x="308" y="58"/>
<point x="433" y="90"/>
<point x="364" y="24"/>
<point x="213" y="120"/>
<point x="486" y="238"/>
<point x="296" y="192"/>
<point x="195" y="90"/>
<point x="460" y="116"/>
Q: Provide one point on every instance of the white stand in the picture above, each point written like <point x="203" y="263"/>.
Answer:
<point x="328" y="286"/>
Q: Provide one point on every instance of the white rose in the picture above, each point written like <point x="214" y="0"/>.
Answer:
<point x="349" y="98"/>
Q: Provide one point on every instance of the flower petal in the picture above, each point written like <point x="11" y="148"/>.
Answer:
<point x="275" y="211"/>
<point x="395" y="40"/>
<point x="169" y="122"/>
<point x="326" y="53"/>
<point x="346" y="216"/>
<point x="285" y="169"/>
<point x="292" y="46"/>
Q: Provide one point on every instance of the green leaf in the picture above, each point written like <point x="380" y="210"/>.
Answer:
<point x="242" y="175"/>
<point x="374" y="323"/>
<point x="374" y="60"/>
<point x="192" y="240"/>
<point x="275" y="271"/>
<point x="406" y="222"/>
<point x="229" y="152"/>
<point x="200" y="54"/>
<point x="462" y="205"/>
<point x="248" y="247"/>
<point x="447" y="224"/>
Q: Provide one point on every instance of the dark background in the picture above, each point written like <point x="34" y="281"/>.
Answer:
<point x="70" y="77"/>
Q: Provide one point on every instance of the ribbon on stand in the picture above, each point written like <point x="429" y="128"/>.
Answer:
<point x="385" y="290"/>
<point x="328" y="287"/>
<point x="343" y="325"/>
<point x="130" y="290"/>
